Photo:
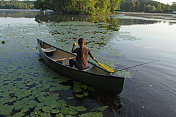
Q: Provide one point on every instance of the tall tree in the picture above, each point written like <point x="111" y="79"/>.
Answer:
<point x="150" y="8"/>
<point x="158" y="9"/>
<point x="137" y="7"/>
<point x="173" y="6"/>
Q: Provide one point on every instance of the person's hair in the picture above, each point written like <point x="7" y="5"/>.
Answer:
<point x="81" y="43"/>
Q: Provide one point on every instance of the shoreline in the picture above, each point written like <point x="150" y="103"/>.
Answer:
<point x="165" y="16"/>
<point x="19" y="10"/>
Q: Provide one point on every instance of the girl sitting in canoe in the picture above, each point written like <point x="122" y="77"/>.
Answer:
<point x="81" y="58"/>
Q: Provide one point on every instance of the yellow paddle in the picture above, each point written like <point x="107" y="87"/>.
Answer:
<point x="105" y="67"/>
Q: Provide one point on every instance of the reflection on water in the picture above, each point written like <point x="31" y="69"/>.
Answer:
<point x="15" y="13"/>
<point x="113" y="24"/>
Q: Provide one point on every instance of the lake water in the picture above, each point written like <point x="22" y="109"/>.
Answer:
<point x="29" y="88"/>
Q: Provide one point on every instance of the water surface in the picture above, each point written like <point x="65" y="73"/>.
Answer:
<point x="29" y="87"/>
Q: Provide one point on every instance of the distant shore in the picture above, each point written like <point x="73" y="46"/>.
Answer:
<point x="166" y="16"/>
<point x="19" y="10"/>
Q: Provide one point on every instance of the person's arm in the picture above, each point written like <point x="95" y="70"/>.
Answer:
<point x="73" y="49"/>
<point x="91" y="55"/>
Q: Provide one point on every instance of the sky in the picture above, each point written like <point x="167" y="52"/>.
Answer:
<point x="166" y="1"/>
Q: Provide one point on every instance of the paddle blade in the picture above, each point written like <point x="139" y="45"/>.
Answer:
<point x="106" y="67"/>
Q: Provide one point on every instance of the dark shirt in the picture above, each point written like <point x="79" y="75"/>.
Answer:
<point x="82" y="62"/>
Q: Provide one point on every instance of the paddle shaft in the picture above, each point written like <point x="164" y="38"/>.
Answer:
<point x="137" y="65"/>
<point x="64" y="59"/>
<point x="96" y="61"/>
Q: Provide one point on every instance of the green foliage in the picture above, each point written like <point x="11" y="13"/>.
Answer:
<point x="145" y="5"/>
<point x="16" y="4"/>
<point x="159" y="9"/>
<point x="173" y="7"/>
<point x="150" y="8"/>
<point x="43" y="4"/>
<point x="89" y="7"/>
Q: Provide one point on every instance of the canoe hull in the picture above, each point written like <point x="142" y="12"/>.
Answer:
<point x="107" y="83"/>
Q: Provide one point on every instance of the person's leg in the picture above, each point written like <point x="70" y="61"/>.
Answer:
<point x="72" y="62"/>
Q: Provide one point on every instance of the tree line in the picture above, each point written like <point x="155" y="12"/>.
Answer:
<point x="90" y="7"/>
<point x="146" y="6"/>
<point x="14" y="4"/>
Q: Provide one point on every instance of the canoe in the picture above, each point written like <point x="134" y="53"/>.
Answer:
<point x="94" y="76"/>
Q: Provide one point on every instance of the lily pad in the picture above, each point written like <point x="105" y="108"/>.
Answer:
<point x="91" y="114"/>
<point x="65" y="110"/>
<point x="84" y="86"/>
<point x="124" y="74"/>
<point x="61" y="103"/>
<point x="77" y="87"/>
<point x="24" y="110"/>
<point x="102" y="108"/>
<point x="12" y="99"/>
<point x="68" y="116"/>
<point x="6" y="109"/>
<point x="32" y="103"/>
<point x="46" y="109"/>
<point x="55" y="111"/>
<point x="82" y="95"/>
<point x="53" y="89"/>
<point x="60" y="115"/>
<point x="81" y="108"/>
<point x="18" y="105"/>
<point x="19" y="114"/>
<point x="45" y="115"/>
<point x="39" y="106"/>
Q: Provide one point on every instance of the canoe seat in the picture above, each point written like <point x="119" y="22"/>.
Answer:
<point x="51" y="49"/>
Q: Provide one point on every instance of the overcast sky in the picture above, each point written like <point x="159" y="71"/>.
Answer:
<point x="166" y="1"/>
